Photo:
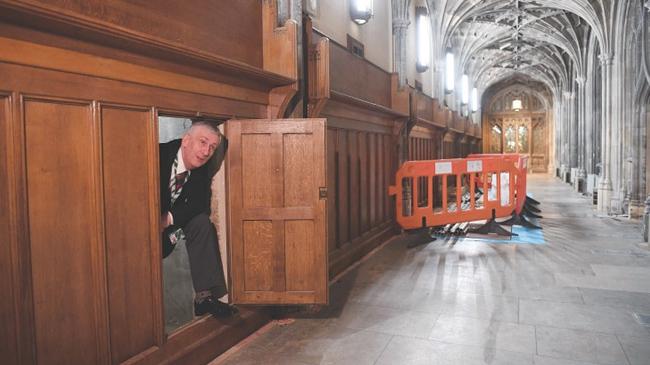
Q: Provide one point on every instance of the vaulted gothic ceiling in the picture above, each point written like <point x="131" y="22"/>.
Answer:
<point x="546" y="40"/>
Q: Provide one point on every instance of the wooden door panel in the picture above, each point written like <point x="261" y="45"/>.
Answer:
<point x="8" y="344"/>
<point x="129" y="193"/>
<point x="63" y="231"/>
<point x="257" y="169"/>
<point x="278" y="238"/>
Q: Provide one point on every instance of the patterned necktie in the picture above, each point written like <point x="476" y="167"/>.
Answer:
<point x="176" y="183"/>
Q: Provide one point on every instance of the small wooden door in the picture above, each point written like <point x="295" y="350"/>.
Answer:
<point x="277" y="211"/>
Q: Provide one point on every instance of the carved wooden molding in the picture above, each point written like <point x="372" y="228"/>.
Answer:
<point x="280" y="56"/>
<point x="50" y="19"/>
<point x="280" y="53"/>
<point x="399" y="96"/>
<point x="345" y="98"/>
<point x="319" y="77"/>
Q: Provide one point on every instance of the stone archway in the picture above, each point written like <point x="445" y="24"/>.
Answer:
<point x="523" y="131"/>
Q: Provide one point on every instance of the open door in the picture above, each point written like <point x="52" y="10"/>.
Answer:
<point x="277" y="211"/>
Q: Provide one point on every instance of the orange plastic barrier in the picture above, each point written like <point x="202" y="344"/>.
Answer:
<point x="430" y="193"/>
<point x="521" y="163"/>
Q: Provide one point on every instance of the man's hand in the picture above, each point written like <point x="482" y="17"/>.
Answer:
<point x="165" y="221"/>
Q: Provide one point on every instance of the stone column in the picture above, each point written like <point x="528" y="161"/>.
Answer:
<point x="605" y="184"/>
<point x="400" y="26"/>
<point x="581" y="128"/>
<point x="573" y="129"/>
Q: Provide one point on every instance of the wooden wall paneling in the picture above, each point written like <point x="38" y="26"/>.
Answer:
<point x="67" y="85"/>
<point x="364" y="190"/>
<point x="358" y="78"/>
<point x="400" y="98"/>
<point x="381" y="170"/>
<point x="279" y="43"/>
<point x="280" y="50"/>
<point x="26" y="53"/>
<point x="423" y="153"/>
<point x="332" y="189"/>
<point x="165" y="23"/>
<point x="19" y="231"/>
<point x="372" y="147"/>
<point x="62" y="182"/>
<point x="388" y="163"/>
<point x="319" y="76"/>
<point x="355" y="188"/>
<point x="131" y="238"/>
<point x="415" y="148"/>
<point x="9" y="345"/>
<point x="343" y="216"/>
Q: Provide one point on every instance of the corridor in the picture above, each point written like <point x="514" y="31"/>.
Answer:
<point x="571" y="300"/>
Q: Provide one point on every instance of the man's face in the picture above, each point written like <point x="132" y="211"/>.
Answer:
<point x="198" y="145"/>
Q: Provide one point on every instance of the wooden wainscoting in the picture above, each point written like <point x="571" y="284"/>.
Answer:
<point x="81" y="89"/>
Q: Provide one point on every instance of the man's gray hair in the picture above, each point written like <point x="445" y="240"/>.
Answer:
<point x="210" y="124"/>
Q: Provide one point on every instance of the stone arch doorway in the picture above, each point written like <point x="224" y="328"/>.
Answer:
<point x="512" y="128"/>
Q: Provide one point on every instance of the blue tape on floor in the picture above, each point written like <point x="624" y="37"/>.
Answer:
<point x="527" y="236"/>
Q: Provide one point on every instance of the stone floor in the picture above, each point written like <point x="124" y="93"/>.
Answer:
<point x="569" y="301"/>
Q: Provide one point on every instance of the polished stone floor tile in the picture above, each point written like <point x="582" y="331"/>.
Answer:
<point x="484" y="333"/>
<point x="302" y="343"/>
<point x="544" y="360"/>
<point x="410" y="351"/>
<point x="596" y="318"/>
<point x="578" y="345"/>
<point x="637" y="349"/>
<point x="637" y="302"/>
<point x="569" y="301"/>
<point x="624" y="282"/>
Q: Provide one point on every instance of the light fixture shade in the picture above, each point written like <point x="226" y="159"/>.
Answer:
<point x="360" y="11"/>
<point x="516" y="105"/>
<point x="464" y="88"/>
<point x="449" y="65"/>
<point x="474" y="99"/>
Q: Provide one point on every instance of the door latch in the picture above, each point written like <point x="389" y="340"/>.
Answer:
<point x="322" y="193"/>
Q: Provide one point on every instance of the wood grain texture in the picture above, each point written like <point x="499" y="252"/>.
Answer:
<point x="168" y="22"/>
<point x="359" y="78"/>
<point x="67" y="85"/>
<point x="364" y="189"/>
<point x="278" y="245"/>
<point x="9" y="343"/>
<point x="332" y="192"/>
<point x="343" y="183"/>
<point x="353" y="143"/>
<point x="128" y="227"/>
<point x="373" y="186"/>
<point x="298" y="154"/>
<point x="259" y="257"/>
<point x="62" y="230"/>
<point x="26" y="53"/>
<point x="279" y="44"/>
<point x="257" y="171"/>
<point x="302" y="268"/>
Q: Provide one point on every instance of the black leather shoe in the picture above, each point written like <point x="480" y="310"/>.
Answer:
<point x="213" y="306"/>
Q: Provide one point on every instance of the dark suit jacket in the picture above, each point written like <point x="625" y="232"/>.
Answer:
<point x="196" y="193"/>
<point x="195" y="196"/>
